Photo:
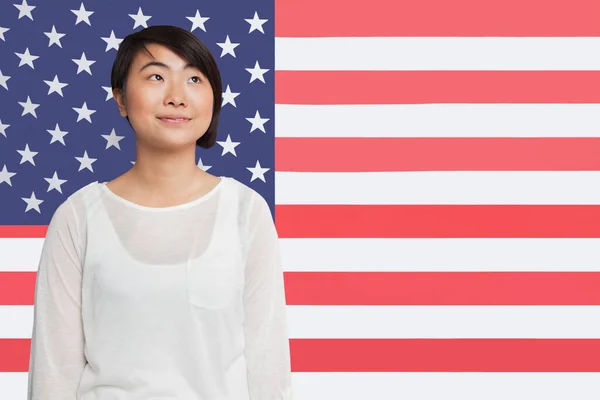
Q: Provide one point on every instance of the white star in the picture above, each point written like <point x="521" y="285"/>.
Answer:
<point x="27" y="58"/>
<point x="257" y="122"/>
<point x="113" y="139"/>
<point x="2" y="32"/>
<point x="109" y="93"/>
<point x="257" y="73"/>
<point x="56" y="86"/>
<point x="5" y="176"/>
<point x="57" y="135"/>
<point x="140" y="19"/>
<point x="55" y="183"/>
<point x="256" y="24"/>
<point x="86" y="162"/>
<point x="24" y="10"/>
<point x="82" y="15"/>
<point x="84" y="113"/>
<point x="54" y="37"/>
<point x="29" y="107"/>
<point x="83" y="64"/>
<point x="229" y="97"/>
<point x="112" y="42"/>
<point x="3" y="79"/>
<point x="258" y="172"/>
<point x="3" y="128"/>
<point x="228" y="47"/>
<point x="27" y="155"/>
<point x="198" y="21"/>
<point x="202" y="166"/>
<point x="32" y="203"/>
<point x="228" y="146"/>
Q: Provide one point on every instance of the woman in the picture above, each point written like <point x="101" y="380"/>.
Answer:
<point x="166" y="282"/>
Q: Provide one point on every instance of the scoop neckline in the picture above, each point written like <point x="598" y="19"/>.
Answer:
<point x="188" y="204"/>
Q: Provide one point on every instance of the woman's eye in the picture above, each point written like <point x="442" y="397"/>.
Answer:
<point x="195" y="79"/>
<point x="158" y="77"/>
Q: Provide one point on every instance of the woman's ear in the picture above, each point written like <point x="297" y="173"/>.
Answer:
<point x="120" y="100"/>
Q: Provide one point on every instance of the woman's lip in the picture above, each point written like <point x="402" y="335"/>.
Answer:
<point x="168" y="120"/>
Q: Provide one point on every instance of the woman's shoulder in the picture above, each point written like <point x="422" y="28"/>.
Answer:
<point x="247" y="196"/>
<point x="77" y="203"/>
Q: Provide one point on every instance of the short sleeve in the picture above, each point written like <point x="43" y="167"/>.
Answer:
<point x="265" y="325"/>
<point x="57" y="347"/>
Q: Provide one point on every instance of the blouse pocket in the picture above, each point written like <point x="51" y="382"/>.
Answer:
<point x="214" y="281"/>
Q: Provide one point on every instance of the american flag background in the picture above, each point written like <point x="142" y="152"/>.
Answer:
<point x="432" y="167"/>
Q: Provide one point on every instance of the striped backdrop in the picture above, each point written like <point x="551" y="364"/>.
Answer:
<point x="437" y="196"/>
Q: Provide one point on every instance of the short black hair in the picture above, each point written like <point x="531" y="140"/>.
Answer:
<point x="187" y="46"/>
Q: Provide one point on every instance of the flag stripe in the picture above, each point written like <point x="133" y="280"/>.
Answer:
<point x="21" y="318"/>
<point x="413" y="385"/>
<point x="447" y="386"/>
<point x="20" y="254"/>
<point x="411" y="355"/>
<point x="440" y="255"/>
<point x="13" y="385"/>
<point x="435" y="187"/>
<point x="316" y="18"/>
<point x="438" y="322"/>
<point x="437" y="154"/>
<point x="401" y="288"/>
<point x="442" y="288"/>
<point x="419" y="87"/>
<point x="17" y="288"/>
<point x="437" y="120"/>
<point x="23" y="231"/>
<point x="437" y="221"/>
<point x="445" y="355"/>
<point x="432" y="322"/>
<point x="437" y="53"/>
<point x="15" y="355"/>
<point x="379" y="254"/>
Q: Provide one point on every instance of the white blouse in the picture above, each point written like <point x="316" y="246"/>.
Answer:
<point x="142" y="303"/>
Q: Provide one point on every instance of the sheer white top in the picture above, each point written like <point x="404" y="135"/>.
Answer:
<point x="141" y="303"/>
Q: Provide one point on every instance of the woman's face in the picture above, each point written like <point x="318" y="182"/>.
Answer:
<point x="169" y="103"/>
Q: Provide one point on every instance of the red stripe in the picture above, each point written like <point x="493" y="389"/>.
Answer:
<point x="423" y="87"/>
<point x="442" y="288"/>
<point x="316" y="18"/>
<point x="438" y="221"/>
<point x="410" y="355"/>
<point x="445" y="355"/>
<point x="437" y="154"/>
<point x="400" y="288"/>
<point x="17" y="288"/>
<point x="23" y="231"/>
<point x="14" y="355"/>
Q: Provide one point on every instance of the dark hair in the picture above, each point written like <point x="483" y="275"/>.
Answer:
<point x="187" y="46"/>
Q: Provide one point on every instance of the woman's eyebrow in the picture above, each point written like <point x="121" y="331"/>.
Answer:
<point x="161" y="64"/>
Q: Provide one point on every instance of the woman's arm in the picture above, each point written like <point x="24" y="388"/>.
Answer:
<point x="265" y="327"/>
<point x="57" y="356"/>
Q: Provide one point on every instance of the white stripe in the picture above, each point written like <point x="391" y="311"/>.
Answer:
<point x="444" y="254"/>
<point x="446" y="386"/>
<point x="16" y="322"/>
<point x="20" y="254"/>
<point x="438" y="187"/>
<point x="437" y="53"/>
<point x="13" y="385"/>
<point x="413" y="386"/>
<point x="438" y="120"/>
<point x="436" y="322"/>
<point x="428" y="322"/>
<point x="431" y="254"/>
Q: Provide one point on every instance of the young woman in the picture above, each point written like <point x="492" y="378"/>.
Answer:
<point x="165" y="283"/>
